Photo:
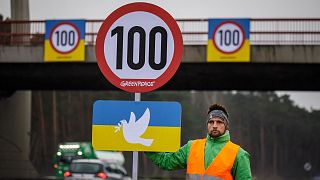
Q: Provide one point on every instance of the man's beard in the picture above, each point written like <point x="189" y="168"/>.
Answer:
<point x="216" y="133"/>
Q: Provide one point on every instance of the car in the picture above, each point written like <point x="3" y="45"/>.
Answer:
<point x="95" y="169"/>
<point x="86" y="169"/>
<point x="116" y="171"/>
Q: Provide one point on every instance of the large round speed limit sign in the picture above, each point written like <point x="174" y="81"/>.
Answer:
<point x="64" y="37"/>
<point x="139" y="47"/>
<point x="228" y="37"/>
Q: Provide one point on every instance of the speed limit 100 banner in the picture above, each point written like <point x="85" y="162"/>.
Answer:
<point x="64" y="41"/>
<point x="228" y="40"/>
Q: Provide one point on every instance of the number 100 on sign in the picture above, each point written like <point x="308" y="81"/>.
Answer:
<point x="138" y="48"/>
<point x="137" y="37"/>
<point x="141" y="46"/>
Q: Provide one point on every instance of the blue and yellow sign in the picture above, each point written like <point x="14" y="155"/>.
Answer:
<point x="136" y="126"/>
<point x="64" y="41"/>
<point x="228" y="40"/>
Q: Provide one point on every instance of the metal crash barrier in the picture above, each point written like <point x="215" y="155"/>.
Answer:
<point x="194" y="31"/>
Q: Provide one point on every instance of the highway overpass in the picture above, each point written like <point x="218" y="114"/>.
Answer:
<point x="271" y="68"/>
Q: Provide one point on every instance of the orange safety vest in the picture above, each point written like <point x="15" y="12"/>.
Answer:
<point x="220" y="167"/>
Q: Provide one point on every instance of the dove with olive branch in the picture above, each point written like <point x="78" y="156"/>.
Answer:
<point x="134" y="129"/>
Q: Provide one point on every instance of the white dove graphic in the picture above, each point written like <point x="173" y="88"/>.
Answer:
<point x="133" y="130"/>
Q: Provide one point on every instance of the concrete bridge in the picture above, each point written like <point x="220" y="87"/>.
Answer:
<point x="272" y="67"/>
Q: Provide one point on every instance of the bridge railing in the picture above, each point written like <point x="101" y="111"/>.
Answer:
<point x="194" y="31"/>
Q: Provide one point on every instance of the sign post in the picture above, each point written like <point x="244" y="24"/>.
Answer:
<point x="135" y="154"/>
<point x="139" y="48"/>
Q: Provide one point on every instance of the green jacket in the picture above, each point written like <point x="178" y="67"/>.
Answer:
<point x="178" y="160"/>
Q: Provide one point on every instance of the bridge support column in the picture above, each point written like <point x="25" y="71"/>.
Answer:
<point x="15" y="126"/>
<point x="20" y="11"/>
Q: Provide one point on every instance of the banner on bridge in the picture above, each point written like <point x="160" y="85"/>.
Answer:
<point x="64" y="41"/>
<point x="228" y="40"/>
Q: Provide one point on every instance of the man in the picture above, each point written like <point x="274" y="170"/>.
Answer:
<point x="214" y="157"/>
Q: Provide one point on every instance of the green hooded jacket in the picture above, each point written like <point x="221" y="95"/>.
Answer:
<point x="178" y="160"/>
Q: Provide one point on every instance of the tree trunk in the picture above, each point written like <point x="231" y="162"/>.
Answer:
<point x="42" y="124"/>
<point x="81" y="117"/>
<point x="54" y="118"/>
<point x="275" y="149"/>
<point x="262" y="147"/>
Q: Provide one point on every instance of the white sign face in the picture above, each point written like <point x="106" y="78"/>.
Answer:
<point x="65" y="37"/>
<point x="139" y="47"/>
<point x="228" y="37"/>
<point x="146" y="46"/>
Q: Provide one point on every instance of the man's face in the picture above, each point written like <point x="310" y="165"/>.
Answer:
<point x="216" y="127"/>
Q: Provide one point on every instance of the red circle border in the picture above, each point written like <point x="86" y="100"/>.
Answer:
<point x="228" y="22"/>
<point x="178" y="47"/>
<point x="78" y="32"/>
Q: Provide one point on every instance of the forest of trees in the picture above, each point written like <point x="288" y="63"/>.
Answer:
<point x="280" y="136"/>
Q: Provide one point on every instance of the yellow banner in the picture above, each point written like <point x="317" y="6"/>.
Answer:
<point x="165" y="139"/>
<point x="50" y="55"/>
<point x="214" y="55"/>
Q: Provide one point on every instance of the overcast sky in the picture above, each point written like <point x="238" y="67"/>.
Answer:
<point x="100" y="9"/>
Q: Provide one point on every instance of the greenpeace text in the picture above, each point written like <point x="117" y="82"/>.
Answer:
<point x="137" y="83"/>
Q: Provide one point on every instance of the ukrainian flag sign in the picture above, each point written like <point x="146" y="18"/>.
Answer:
<point x="136" y="126"/>
<point x="228" y="40"/>
<point x="64" y="41"/>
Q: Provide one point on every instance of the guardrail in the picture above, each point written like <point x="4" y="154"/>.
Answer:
<point x="194" y="31"/>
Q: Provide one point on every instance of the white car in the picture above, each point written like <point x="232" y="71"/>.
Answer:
<point x="95" y="169"/>
<point x="116" y="171"/>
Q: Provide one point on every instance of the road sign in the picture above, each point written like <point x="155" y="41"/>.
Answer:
<point x="64" y="40"/>
<point x="136" y="126"/>
<point x="139" y="47"/>
<point x="228" y="40"/>
<point x="228" y="37"/>
<point x="64" y="37"/>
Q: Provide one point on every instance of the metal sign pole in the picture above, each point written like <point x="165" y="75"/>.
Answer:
<point x="135" y="155"/>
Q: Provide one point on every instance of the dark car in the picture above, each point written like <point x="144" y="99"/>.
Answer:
<point x="86" y="169"/>
<point x="95" y="169"/>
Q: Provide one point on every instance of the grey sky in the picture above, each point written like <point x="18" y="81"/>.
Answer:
<point x="306" y="99"/>
<point x="99" y="9"/>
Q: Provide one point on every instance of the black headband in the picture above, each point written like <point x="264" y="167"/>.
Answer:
<point x="218" y="113"/>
